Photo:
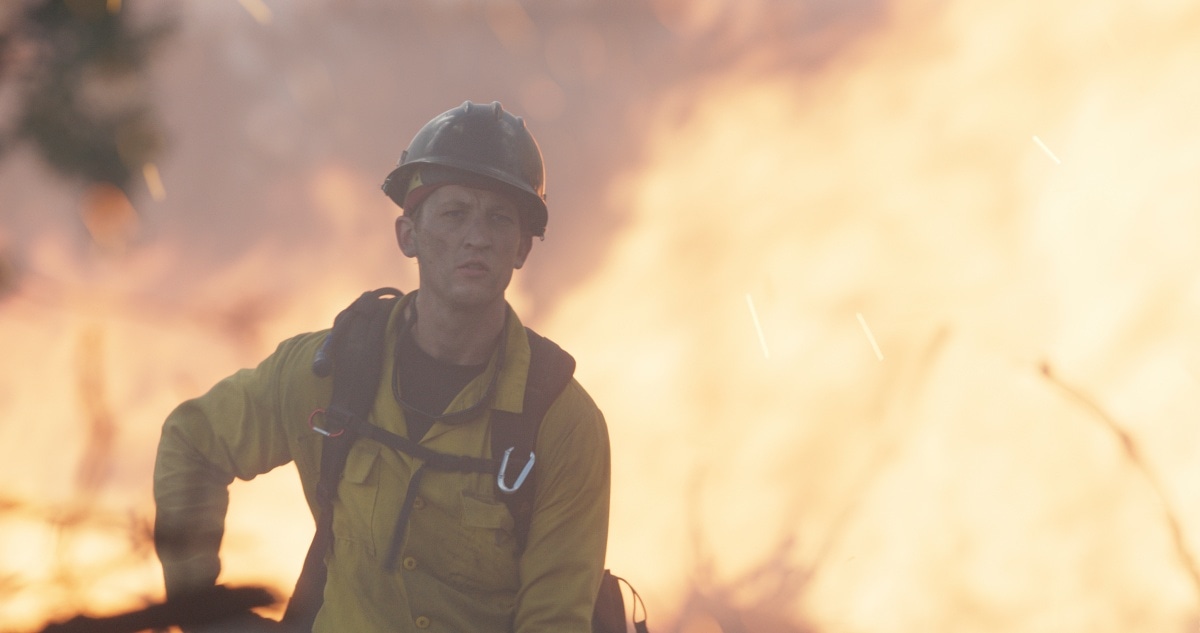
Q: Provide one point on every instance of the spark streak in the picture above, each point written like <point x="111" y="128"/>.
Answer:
<point x="762" y="340"/>
<point x="1136" y="457"/>
<point x="1046" y="149"/>
<point x="154" y="182"/>
<point x="870" y="337"/>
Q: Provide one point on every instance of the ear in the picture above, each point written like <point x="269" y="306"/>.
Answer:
<point x="406" y="236"/>
<point x="523" y="250"/>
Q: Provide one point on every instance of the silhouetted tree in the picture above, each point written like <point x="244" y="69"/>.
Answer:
<point x="77" y="70"/>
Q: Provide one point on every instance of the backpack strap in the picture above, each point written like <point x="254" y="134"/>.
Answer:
<point x="353" y="353"/>
<point x="550" y="370"/>
<point x="513" y="437"/>
<point x="354" y="347"/>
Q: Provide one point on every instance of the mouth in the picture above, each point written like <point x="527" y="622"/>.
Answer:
<point x="474" y="267"/>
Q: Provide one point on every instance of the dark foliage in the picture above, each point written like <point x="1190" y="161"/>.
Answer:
<point x="78" y="69"/>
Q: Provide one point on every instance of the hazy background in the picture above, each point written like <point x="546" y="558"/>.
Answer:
<point x="891" y="306"/>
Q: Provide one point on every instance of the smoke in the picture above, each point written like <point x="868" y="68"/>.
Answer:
<point x="986" y="189"/>
<point x="811" y="256"/>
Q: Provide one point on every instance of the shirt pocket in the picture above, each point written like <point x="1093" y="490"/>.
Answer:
<point x="485" y="559"/>
<point x="357" y="496"/>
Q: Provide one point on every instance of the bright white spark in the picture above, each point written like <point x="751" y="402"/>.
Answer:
<point x="1046" y="149"/>
<point x="762" y="340"/>
<point x="258" y="10"/>
<point x="870" y="337"/>
<point x="154" y="182"/>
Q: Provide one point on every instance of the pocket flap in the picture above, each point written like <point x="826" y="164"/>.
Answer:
<point x="482" y="513"/>
<point x="360" y="461"/>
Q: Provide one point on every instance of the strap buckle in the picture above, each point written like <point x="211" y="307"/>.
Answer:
<point x="520" y="478"/>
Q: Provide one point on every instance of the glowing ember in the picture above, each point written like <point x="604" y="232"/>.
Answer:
<point x="109" y="217"/>
<point x="870" y="336"/>
<point x="953" y="488"/>
<point x="1047" y="150"/>
<point x="154" y="182"/>
<point x="757" y="326"/>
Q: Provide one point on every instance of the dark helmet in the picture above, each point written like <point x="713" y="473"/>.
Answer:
<point x="481" y="140"/>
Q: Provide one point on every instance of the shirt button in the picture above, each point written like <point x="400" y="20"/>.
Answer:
<point x="422" y="622"/>
<point x="410" y="563"/>
<point x="418" y="503"/>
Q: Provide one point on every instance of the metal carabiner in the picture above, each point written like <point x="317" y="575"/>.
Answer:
<point x="320" y="430"/>
<point x="520" y="478"/>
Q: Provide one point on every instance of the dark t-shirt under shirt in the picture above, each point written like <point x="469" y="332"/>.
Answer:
<point x="428" y="385"/>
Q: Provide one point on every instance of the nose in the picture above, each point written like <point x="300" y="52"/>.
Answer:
<point x="478" y="233"/>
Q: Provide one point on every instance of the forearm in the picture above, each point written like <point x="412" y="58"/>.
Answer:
<point x="192" y="498"/>
<point x="234" y="430"/>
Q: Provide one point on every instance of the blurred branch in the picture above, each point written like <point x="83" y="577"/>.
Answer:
<point x="910" y="384"/>
<point x="1135" y="457"/>
<point x="216" y="605"/>
<point x="63" y="577"/>
<point x="779" y="582"/>
<point x="98" y="417"/>
<point x="72" y="517"/>
<point x="79" y="69"/>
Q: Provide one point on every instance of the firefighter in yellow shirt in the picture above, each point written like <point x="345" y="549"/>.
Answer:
<point x="471" y="186"/>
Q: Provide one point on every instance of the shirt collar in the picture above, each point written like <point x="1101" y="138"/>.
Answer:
<point x="510" y="384"/>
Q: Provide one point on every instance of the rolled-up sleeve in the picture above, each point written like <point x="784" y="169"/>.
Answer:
<point x="236" y="430"/>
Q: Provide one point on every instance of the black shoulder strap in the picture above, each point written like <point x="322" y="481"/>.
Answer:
<point x="353" y="353"/>
<point x="550" y="370"/>
<point x="354" y="348"/>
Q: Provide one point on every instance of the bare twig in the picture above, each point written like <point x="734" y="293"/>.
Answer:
<point x="1135" y="457"/>
<point x="100" y="424"/>
<point x="910" y="386"/>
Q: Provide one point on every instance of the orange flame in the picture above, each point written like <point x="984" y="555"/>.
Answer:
<point x="999" y="187"/>
<point x="950" y="488"/>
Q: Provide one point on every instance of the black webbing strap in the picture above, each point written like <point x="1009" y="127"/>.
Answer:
<point x="608" y="616"/>
<point x="353" y="352"/>
<point x="435" y="460"/>
<point x="430" y="459"/>
<point x="550" y="370"/>
<point x="354" y="347"/>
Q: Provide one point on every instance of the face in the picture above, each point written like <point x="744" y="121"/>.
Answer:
<point x="467" y="243"/>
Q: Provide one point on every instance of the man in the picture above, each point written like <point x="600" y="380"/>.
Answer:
<point x="471" y="185"/>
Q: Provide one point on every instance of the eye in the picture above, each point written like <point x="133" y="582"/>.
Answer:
<point x="503" y="218"/>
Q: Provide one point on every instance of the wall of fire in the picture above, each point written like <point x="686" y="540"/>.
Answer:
<point x="893" y="307"/>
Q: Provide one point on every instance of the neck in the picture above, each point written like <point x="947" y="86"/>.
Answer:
<point x="454" y="336"/>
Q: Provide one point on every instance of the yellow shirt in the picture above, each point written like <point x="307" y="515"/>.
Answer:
<point x="458" y="570"/>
